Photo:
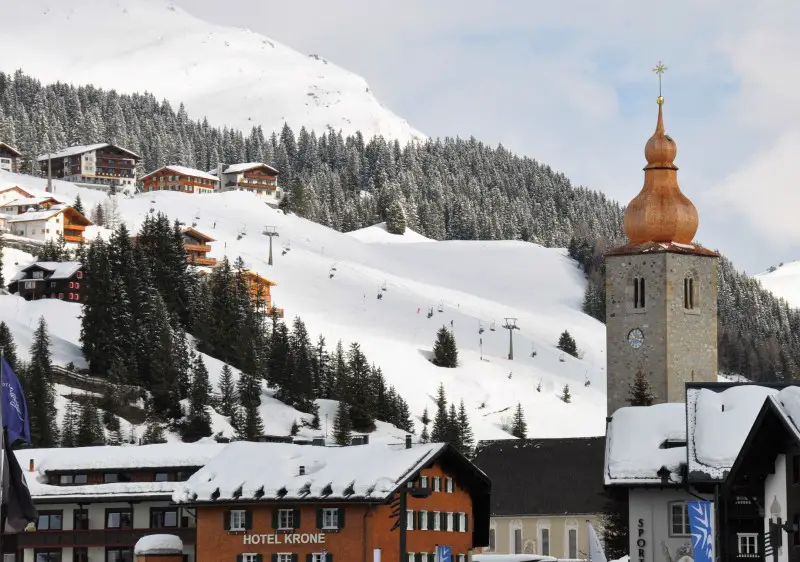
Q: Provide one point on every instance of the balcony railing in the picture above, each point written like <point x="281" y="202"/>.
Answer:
<point x="210" y="262"/>
<point x="203" y="248"/>
<point x="98" y="537"/>
<point x="76" y="238"/>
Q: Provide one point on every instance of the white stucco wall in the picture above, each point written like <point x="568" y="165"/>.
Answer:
<point x="775" y="497"/>
<point x="44" y="230"/>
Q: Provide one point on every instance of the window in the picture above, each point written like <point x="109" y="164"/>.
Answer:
<point x="545" y="542"/>
<point x="250" y="557"/>
<point x="423" y="481"/>
<point x="679" y="520"/>
<point x="437" y="484"/>
<point x="285" y="557"/>
<point x="119" y="555"/>
<point x="80" y="554"/>
<point x="61" y="296"/>
<point x="517" y="541"/>
<point x="437" y="521"/>
<point x="52" y="284"/>
<point x="72" y="479"/>
<point x="162" y="477"/>
<point x="330" y="518"/>
<point x="238" y="520"/>
<point x="448" y="485"/>
<point x="80" y="519"/>
<point x="449" y="521"/>
<point x="29" y="284"/>
<point x="71" y="296"/>
<point x="638" y="292"/>
<point x="688" y="293"/>
<point x="491" y="539"/>
<point x="411" y="557"/>
<point x="317" y="557"/>
<point x="572" y="543"/>
<point x="71" y="285"/>
<point x="163" y="517"/>
<point x="423" y="520"/>
<point x="462" y="525"/>
<point x="49" y="521"/>
<point x="286" y="519"/>
<point x="410" y="519"/>
<point x="119" y="519"/>
<point x="748" y="545"/>
<point x="79" y="275"/>
<point x="47" y="555"/>
<point x="38" y="274"/>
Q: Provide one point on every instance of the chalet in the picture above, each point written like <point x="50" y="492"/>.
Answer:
<point x="543" y="492"/>
<point x="260" y="292"/>
<point x="8" y="194"/>
<point x="9" y="158"/>
<point x="254" y="177"/>
<point x="95" y="503"/>
<point x="287" y="502"/>
<point x="180" y="179"/>
<point x="49" y="280"/>
<point x="50" y="224"/>
<point x="25" y="204"/>
<point x="100" y="166"/>
<point x="197" y="246"/>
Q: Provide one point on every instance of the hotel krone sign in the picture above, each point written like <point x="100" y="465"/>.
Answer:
<point x="284" y="538"/>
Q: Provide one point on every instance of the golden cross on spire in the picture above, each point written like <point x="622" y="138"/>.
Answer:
<point x="660" y="69"/>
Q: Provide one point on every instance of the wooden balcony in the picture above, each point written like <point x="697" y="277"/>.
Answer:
<point x="76" y="238"/>
<point x="202" y="248"/>
<point x="209" y="262"/>
<point x="97" y="537"/>
<point x="72" y="226"/>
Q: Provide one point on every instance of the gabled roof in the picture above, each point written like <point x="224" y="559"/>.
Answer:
<point x="59" y="270"/>
<point x="30" y="216"/>
<point x="16" y="188"/>
<point x="10" y="148"/>
<point x="544" y="476"/>
<point x="194" y="233"/>
<point x="259" y="278"/>
<point x="24" y="202"/>
<point x="80" y="149"/>
<point x="661" y="247"/>
<point x="184" y="171"/>
<point x="247" y="166"/>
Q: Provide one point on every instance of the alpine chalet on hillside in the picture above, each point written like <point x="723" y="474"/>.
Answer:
<point x="95" y="166"/>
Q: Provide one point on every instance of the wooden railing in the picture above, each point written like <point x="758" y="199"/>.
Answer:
<point x="197" y="248"/>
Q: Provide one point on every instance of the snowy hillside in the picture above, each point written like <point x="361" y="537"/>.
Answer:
<point x="783" y="282"/>
<point x="231" y="76"/>
<point x="474" y="283"/>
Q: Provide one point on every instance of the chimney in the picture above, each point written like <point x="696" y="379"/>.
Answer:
<point x="30" y="465"/>
<point x="302" y="470"/>
<point x="408" y="441"/>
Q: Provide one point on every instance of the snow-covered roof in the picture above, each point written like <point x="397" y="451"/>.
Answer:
<point x="245" y="166"/>
<point x="16" y="188"/>
<point x="80" y="149"/>
<point x="36" y="215"/>
<point x="61" y="270"/>
<point x="718" y="424"/>
<point x="30" y="201"/>
<point x="247" y="471"/>
<point x="158" y="544"/>
<point x="184" y="171"/>
<point x="641" y="440"/>
<point x="10" y="148"/>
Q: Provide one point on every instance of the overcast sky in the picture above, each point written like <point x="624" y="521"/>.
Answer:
<point x="570" y="84"/>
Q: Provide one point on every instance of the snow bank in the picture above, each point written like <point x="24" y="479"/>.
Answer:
<point x="158" y="544"/>
<point x="718" y="424"/>
<point x="789" y="401"/>
<point x="244" y="470"/>
<point x="512" y="558"/>
<point x="377" y="234"/>
<point x="636" y="444"/>
<point x="783" y="282"/>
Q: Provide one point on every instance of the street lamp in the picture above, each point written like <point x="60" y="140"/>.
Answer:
<point x="402" y="514"/>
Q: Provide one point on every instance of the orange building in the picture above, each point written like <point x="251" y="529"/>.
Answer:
<point x="260" y="292"/>
<point x="285" y="502"/>
<point x="181" y="179"/>
<point x="197" y="246"/>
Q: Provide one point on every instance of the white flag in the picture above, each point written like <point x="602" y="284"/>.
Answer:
<point x="596" y="553"/>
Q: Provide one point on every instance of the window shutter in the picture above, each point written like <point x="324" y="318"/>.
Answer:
<point x="274" y="558"/>
<point x="341" y="521"/>
<point x="466" y="523"/>
<point x="329" y="557"/>
<point x="443" y="519"/>
<point x="239" y="558"/>
<point x="430" y="520"/>
<point x="248" y="520"/>
<point x="309" y="558"/>
<point x="319" y="522"/>
<point x="296" y="522"/>
<point x="294" y="557"/>
<point x="457" y="522"/>
<point x="226" y="519"/>
<point x="259" y="558"/>
<point x="420" y="516"/>
<point x="275" y="521"/>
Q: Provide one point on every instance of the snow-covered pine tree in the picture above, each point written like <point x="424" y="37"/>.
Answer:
<point x="8" y="346"/>
<point x="445" y="353"/>
<point x="396" y="218"/>
<point x="440" y="431"/>
<point x="90" y="430"/>
<point x="519" y="427"/>
<point x="425" y="419"/>
<point x="567" y="344"/>
<point x="250" y="425"/>
<point x="114" y="430"/>
<point x="78" y="204"/>
<point x="640" y="392"/>
<point x="69" y="424"/>
<point x="565" y="394"/>
<point x="228" y="398"/>
<point x="466" y="437"/>
<point x="362" y="399"/>
<point x="40" y="391"/>
<point x="342" y="426"/>
<point x="198" y="420"/>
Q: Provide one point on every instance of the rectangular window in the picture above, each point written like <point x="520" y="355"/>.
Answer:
<point x="748" y="544"/>
<point x="285" y="557"/>
<point x="80" y="519"/>
<point x="72" y="479"/>
<point x="641" y="293"/>
<point x="79" y="275"/>
<point x="545" y="542"/>
<point x="572" y="543"/>
<point x="119" y="555"/>
<point x="448" y="485"/>
<point x="679" y="520"/>
<point x="423" y="520"/>
<point x="410" y="519"/>
<point x="238" y="520"/>
<point x="412" y="557"/>
<point x="71" y="285"/>
<point x="517" y="541"/>
<point x="462" y="526"/>
<point x="29" y="284"/>
<point x="330" y="518"/>
<point x="285" y="519"/>
<point x="163" y="517"/>
<point x="317" y="557"/>
<point x="423" y="481"/>
<point x="80" y="554"/>
<point x="38" y="274"/>
<point x="437" y="484"/>
<point x="49" y="521"/>
<point x="47" y="555"/>
<point x="162" y="477"/>
<point x="250" y="557"/>
<point x="61" y="296"/>
<point x="437" y="521"/>
<point x="119" y="519"/>
<point x="449" y="521"/>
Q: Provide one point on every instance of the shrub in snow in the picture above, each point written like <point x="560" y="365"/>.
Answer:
<point x="640" y="392"/>
<point x="567" y="344"/>
<point x="566" y="396"/>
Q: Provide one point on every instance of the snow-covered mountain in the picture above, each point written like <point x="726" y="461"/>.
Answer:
<point x="783" y="282"/>
<point x="233" y="77"/>
<point x="475" y="284"/>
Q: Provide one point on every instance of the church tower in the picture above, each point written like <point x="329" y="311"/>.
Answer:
<point x="661" y="288"/>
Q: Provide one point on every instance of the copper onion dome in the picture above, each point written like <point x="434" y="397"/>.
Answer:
<point x="660" y="213"/>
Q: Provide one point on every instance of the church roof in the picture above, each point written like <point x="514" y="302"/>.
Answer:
<point x="662" y="247"/>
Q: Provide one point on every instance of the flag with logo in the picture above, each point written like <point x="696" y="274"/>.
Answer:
<point x="701" y="525"/>
<point x="596" y="553"/>
<point x="444" y="554"/>
<point x="17" y="506"/>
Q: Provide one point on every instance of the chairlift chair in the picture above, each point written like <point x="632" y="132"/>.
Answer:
<point x="383" y="287"/>
<point x="441" y="306"/>
<point x="492" y="327"/>
<point x="197" y="214"/>
<point x="430" y="312"/>
<point x="480" y="327"/>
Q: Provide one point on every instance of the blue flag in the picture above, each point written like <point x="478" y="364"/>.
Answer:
<point x="444" y="554"/>
<point x="701" y="526"/>
<point x="15" y="409"/>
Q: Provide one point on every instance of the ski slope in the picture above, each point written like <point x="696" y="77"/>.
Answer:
<point x="233" y="77"/>
<point x="783" y="282"/>
<point x="475" y="283"/>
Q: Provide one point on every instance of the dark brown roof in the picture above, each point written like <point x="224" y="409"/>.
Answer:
<point x="661" y="247"/>
<point x="544" y="476"/>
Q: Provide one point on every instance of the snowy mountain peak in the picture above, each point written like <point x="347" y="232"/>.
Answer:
<point x="234" y="77"/>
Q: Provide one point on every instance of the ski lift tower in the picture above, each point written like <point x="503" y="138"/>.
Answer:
<point x="270" y="231"/>
<point x="511" y="325"/>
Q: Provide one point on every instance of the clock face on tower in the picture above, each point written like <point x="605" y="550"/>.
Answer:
<point x="635" y="338"/>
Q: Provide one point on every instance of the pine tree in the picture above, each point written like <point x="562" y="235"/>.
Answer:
<point x="445" y="353"/>
<point x="78" y="205"/>
<point x="565" y="395"/>
<point x="114" y="430"/>
<point x="567" y="344"/>
<point x="640" y="392"/>
<point x="227" y="392"/>
<point x="425" y="419"/>
<point x="90" y="431"/>
<point x="198" y="420"/>
<point x="614" y="523"/>
<point x="154" y="432"/>
<point x="424" y="436"/>
<point x="465" y="436"/>
<point x="342" y="427"/>
<point x="8" y="347"/>
<point x="519" y="428"/>
<point x="396" y="218"/>
<point x="70" y="424"/>
<point x="250" y="425"/>
<point x="361" y="395"/>
<point x="40" y="391"/>
<point x="439" y="433"/>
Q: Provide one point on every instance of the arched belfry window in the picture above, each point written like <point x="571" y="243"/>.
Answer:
<point x="638" y="292"/>
<point x="690" y="290"/>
